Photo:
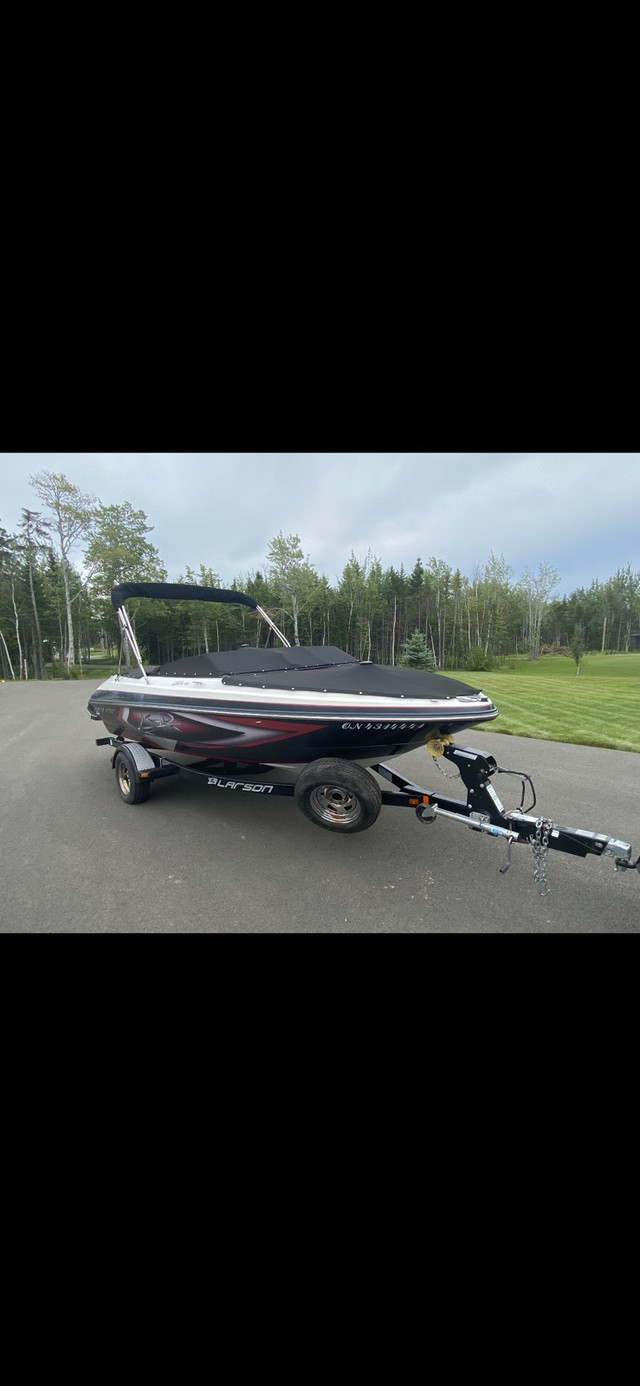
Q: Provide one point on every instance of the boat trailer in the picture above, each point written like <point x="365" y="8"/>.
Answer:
<point x="343" y="797"/>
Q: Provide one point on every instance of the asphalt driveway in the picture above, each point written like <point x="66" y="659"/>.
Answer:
<point x="75" y="859"/>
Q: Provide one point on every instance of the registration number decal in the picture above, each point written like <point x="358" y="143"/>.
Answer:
<point x="381" y="726"/>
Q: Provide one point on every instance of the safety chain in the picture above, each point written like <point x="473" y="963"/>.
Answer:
<point x="540" y="851"/>
<point x="456" y="774"/>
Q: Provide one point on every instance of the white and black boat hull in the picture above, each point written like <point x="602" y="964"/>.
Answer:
<point x="191" y="729"/>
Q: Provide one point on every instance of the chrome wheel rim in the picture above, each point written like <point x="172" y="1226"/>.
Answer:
<point x="334" y="804"/>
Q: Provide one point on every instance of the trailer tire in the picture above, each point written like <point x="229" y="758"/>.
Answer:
<point x="338" y="795"/>
<point x="131" y="788"/>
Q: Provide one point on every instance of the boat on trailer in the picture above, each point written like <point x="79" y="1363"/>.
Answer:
<point x="245" y="720"/>
<point x="278" y="706"/>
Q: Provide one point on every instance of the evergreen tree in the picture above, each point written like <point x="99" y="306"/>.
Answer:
<point x="415" y="653"/>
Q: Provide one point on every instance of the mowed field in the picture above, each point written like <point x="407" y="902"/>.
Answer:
<point x="546" y="699"/>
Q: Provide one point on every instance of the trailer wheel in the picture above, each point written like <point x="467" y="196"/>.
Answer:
<point x="338" y="796"/>
<point x="131" y="788"/>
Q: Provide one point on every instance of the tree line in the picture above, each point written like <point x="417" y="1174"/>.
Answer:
<point x="58" y="568"/>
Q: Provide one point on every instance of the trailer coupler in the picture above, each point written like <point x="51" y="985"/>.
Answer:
<point x="622" y="865"/>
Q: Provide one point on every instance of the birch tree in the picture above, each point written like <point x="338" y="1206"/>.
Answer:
<point x="7" y="666"/>
<point x="537" y="589"/>
<point x="292" y="577"/>
<point x="73" y="514"/>
<point x="10" y="569"/>
<point x="36" y="537"/>
<point x="22" y="660"/>
<point x="350" y="596"/>
<point x="440" y="581"/>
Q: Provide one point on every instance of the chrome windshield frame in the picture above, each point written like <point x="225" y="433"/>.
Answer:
<point x="130" y="639"/>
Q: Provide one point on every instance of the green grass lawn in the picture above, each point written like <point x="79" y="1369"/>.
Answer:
<point x="546" y="698"/>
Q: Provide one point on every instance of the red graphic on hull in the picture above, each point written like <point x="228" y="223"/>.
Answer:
<point x="177" y="732"/>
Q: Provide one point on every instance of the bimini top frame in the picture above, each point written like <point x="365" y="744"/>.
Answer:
<point x="178" y="591"/>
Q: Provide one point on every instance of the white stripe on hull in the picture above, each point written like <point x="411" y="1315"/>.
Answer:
<point x="286" y="702"/>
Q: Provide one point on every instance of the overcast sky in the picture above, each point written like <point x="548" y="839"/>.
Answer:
<point x="579" y="512"/>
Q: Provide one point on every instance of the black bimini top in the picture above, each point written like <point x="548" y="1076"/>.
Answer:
<point x="316" y="669"/>
<point x="177" y="592"/>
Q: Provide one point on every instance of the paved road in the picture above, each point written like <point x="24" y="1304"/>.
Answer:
<point x="75" y="859"/>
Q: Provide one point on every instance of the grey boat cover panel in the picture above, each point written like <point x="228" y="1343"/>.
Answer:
<point x="248" y="660"/>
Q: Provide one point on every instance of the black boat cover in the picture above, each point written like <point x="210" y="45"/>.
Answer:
<point x="248" y="660"/>
<point x="374" y="680"/>
<point x="315" y="668"/>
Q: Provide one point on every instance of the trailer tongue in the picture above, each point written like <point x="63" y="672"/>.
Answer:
<point x="484" y="812"/>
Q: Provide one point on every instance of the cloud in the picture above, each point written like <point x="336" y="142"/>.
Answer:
<point x="579" y="512"/>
